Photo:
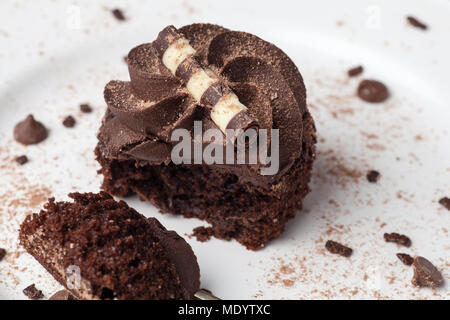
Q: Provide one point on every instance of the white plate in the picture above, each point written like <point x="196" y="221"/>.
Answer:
<point x="52" y="59"/>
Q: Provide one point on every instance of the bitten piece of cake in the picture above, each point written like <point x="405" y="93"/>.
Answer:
<point x="99" y="248"/>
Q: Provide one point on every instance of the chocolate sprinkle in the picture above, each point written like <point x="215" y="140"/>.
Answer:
<point x="405" y="258"/>
<point x="62" y="295"/>
<point x="445" y="202"/>
<point x="86" y="108"/>
<point x="2" y="253"/>
<point x="426" y="274"/>
<point x="373" y="176"/>
<point x="337" y="248"/>
<point x="372" y="91"/>
<point x="355" y="71"/>
<point x="30" y="131"/>
<point x="416" y="23"/>
<point x="22" y="160"/>
<point x="33" y="293"/>
<point x="69" y="122"/>
<point x="397" y="238"/>
<point x="118" y="14"/>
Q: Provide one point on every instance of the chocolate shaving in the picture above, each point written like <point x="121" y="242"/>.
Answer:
<point x="426" y="274"/>
<point x="405" y="258"/>
<point x="118" y="14"/>
<point x="416" y="23"/>
<point x="355" y="71"/>
<point x="33" y="293"/>
<point x="445" y="202"/>
<point x="337" y="248"/>
<point x="397" y="238"/>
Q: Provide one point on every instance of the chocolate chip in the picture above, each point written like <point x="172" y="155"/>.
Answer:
<point x="445" y="202"/>
<point x="373" y="176"/>
<point x="353" y="72"/>
<point x="397" y="238"/>
<point x="426" y="274"/>
<point x="118" y="14"/>
<point x="22" y="160"/>
<point x="372" y="91"/>
<point x="30" y="131"/>
<point x="62" y="295"/>
<point x="416" y="23"/>
<point x="86" y="108"/>
<point x="33" y="293"/>
<point x="69" y="122"/>
<point x="337" y="248"/>
<point x="2" y="253"/>
<point x="405" y="258"/>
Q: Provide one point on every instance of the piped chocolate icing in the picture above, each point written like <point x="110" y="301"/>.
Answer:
<point x="143" y="113"/>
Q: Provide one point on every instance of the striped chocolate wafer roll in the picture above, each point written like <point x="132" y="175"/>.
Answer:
<point x="178" y="56"/>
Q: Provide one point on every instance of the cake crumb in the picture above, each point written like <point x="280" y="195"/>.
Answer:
<point x="397" y="238"/>
<point x="2" y="253"/>
<point x="445" y="202"/>
<point x="22" y="160"/>
<point x="373" y="176"/>
<point x="405" y="258"/>
<point x="337" y="248"/>
<point x="203" y="234"/>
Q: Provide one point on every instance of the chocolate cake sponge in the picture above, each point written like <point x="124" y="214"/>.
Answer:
<point x="119" y="253"/>
<point x="134" y="148"/>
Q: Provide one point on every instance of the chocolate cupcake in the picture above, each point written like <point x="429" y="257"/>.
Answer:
<point x="205" y="78"/>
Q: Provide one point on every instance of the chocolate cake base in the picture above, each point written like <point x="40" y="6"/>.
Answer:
<point x="119" y="254"/>
<point x="245" y="212"/>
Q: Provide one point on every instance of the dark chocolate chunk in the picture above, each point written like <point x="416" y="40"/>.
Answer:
<point x="353" y="72"/>
<point x="22" y="160"/>
<point x="86" y="108"/>
<point x="30" y="131"/>
<point x="33" y="293"/>
<point x="337" y="248"/>
<point x="69" y="122"/>
<point x="416" y="23"/>
<point x="445" y="202"/>
<point x="372" y="91"/>
<point x="397" y="238"/>
<point x="405" y="258"/>
<point x="62" y="295"/>
<point x="373" y="176"/>
<point x="118" y="14"/>
<point x="426" y="274"/>
<point x="2" y="253"/>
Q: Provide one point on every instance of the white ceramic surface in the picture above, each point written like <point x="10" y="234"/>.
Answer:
<point x="57" y="54"/>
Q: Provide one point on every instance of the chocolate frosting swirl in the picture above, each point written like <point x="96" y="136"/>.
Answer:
<point x="143" y="113"/>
